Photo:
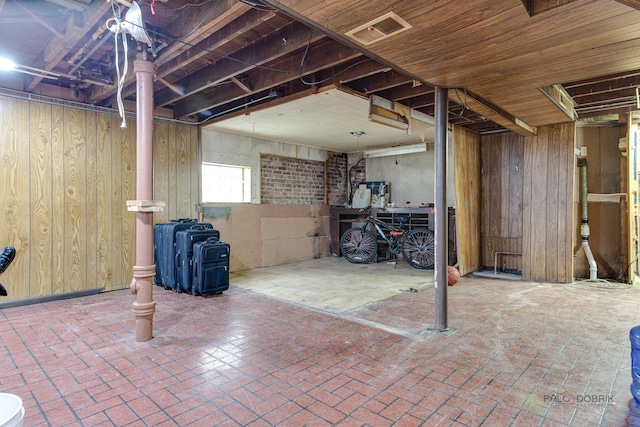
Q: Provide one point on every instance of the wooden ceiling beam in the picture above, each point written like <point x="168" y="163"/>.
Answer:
<point x="605" y="87"/>
<point x="380" y="82"/>
<point x="326" y="53"/>
<point x="240" y="26"/>
<point x="39" y="19"/>
<point x="407" y="91"/>
<point x="485" y="108"/>
<point x="275" y="45"/>
<point x="213" y="17"/>
<point x="57" y="48"/>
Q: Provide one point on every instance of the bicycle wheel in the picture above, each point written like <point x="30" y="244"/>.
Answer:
<point x="418" y="248"/>
<point x="357" y="246"/>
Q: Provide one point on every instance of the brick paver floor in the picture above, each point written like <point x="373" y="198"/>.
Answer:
<point x="522" y="354"/>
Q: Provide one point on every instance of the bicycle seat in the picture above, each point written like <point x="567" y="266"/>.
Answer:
<point x="402" y="219"/>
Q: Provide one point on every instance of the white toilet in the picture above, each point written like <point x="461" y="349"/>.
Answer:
<point x="11" y="410"/>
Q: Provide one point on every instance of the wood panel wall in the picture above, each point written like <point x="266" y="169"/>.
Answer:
<point x="66" y="174"/>
<point x="468" y="189"/>
<point x="549" y="173"/>
<point x="527" y="202"/>
<point x="502" y="180"/>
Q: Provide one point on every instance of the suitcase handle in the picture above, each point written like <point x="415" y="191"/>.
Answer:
<point x="198" y="227"/>
<point x="177" y="259"/>
<point x="181" y="220"/>
<point x="212" y="240"/>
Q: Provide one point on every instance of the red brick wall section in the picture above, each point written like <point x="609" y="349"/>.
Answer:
<point x="291" y="181"/>
<point x="337" y="179"/>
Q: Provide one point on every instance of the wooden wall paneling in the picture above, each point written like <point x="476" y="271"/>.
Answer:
<point x="608" y="230"/>
<point x="58" y="198"/>
<point x="14" y="173"/>
<point x="183" y="172"/>
<point x="117" y="201"/>
<point x="495" y="185"/>
<point x="504" y="171"/>
<point x="128" y="147"/>
<point x="538" y="226"/>
<point x="485" y="171"/>
<point x="40" y="200"/>
<point x="161" y="169"/>
<point x="172" y="195"/>
<point x="553" y="205"/>
<point x="75" y="213"/>
<point x="92" y="199"/>
<point x="104" y="189"/>
<point x="566" y="179"/>
<point x="516" y="165"/>
<point x="527" y="209"/>
<point x="194" y="170"/>
<point x="467" y="165"/>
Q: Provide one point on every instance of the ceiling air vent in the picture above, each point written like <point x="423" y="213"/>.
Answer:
<point x="380" y="28"/>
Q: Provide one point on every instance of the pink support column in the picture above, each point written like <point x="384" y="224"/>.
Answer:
<point x="144" y="270"/>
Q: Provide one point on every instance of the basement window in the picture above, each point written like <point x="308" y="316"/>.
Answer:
<point x="226" y="183"/>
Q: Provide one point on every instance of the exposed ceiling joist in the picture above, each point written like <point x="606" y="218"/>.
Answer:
<point x="493" y="112"/>
<point x="324" y="54"/>
<point x="274" y="45"/>
<point x="212" y="17"/>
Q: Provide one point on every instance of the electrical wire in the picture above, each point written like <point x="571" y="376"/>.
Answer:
<point x="257" y="4"/>
<point x="221" y="55"/>
<point x="117" y="30"/>
<point x="202" y="20"/>
<point x="178" y="40"/>
<point x="184" y="6"/>
<point x="304" y="57"/>
<point x="463" y="103"/>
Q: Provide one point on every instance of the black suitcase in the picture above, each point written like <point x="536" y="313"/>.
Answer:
<point x="210" y="267"/>
<point x="164" y="249"/>
<point x="185" y="240"/>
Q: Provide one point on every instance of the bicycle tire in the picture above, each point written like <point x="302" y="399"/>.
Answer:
<point x="418" y="248"/>
<point x="358" y="247"/>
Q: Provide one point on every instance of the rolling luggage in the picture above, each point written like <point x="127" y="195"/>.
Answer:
<point x="185" y="240"/>
<point x="210" y="267"/>
<point x="164" y="249"/>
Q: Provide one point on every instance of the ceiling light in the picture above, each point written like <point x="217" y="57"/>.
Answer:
<point x="7" y="64"/>
<point x="357" y="134"/>
<point x="394" y="151"/>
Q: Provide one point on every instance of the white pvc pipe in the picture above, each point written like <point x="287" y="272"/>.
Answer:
<point x="584" y="227"/>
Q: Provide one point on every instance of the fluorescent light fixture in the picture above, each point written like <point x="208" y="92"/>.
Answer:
<point x="394" y="151"/>
<point x="7" y="64"/>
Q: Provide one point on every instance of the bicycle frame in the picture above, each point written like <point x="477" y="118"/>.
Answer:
<point x="359" y="245"/>
<point x="395" y="231"/>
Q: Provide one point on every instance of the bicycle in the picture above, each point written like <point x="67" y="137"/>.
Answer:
<point x="359" y="245"/>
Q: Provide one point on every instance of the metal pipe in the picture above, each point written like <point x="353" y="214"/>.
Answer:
<point x="92" y="51"/>
<point x="495" y="258"/>
<point x="144" y="270"/>
<point x="441" y="211"/>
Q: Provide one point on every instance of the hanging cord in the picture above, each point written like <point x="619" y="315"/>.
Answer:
<point x="115" y="24"/>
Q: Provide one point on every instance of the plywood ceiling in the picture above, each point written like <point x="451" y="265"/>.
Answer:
<point x="324" y="120"/>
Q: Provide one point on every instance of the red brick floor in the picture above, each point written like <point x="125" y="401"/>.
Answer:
<point x="523" y="354"/>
